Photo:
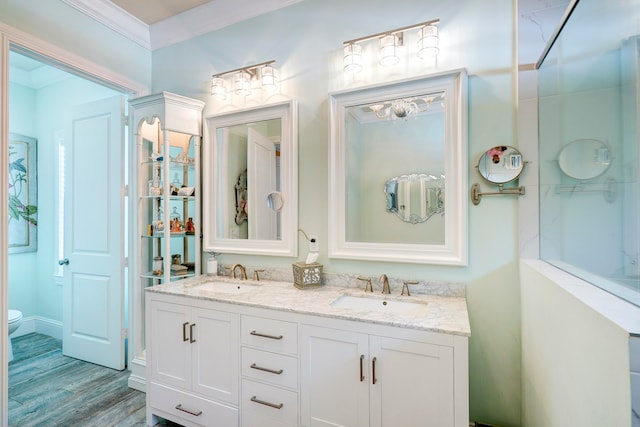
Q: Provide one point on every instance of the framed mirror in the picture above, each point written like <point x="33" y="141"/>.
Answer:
<point x="383" y="139"/>
<point x="501" y="164"/>
<point x="250" y="181"/>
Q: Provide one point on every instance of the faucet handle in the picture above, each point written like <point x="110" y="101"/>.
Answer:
<point x="368" y="287"/>
<point x="405" y="287"/>
<point x="256" y="277"/>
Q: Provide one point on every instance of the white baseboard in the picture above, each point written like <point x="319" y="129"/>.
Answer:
<point x="39" y="324"/>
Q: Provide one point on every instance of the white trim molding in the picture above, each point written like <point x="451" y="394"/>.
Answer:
<point x="203" y="19"/>
<point x="116" y="18"/>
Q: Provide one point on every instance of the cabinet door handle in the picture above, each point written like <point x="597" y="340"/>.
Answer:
<point x="195" y="414"/>
<point x="269" y="404"/>
<point x="361" y="367"/>
<point x="191" y="339"/>
<point x="273" y="337"/>
<point x="184" y="331"/>
<point x="373" y="371"/>
<point x="271" y="371"/>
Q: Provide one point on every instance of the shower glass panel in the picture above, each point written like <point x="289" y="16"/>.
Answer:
<point x="589" y="108"/>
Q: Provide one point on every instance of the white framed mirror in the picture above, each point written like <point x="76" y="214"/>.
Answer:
<point x="413" y="127"/>
<point x="250" y="181"/>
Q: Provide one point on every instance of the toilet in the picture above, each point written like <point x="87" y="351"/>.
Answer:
<point x="15" y="318"/>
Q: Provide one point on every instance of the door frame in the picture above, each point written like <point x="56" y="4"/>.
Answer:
<point x="49" y="53"/>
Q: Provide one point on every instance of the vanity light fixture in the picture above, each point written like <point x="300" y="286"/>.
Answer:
<point x="389" y="44"/>
<point x="263" y="75"/>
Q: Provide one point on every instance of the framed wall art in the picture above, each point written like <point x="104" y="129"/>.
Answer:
<point x="23" y="194"/>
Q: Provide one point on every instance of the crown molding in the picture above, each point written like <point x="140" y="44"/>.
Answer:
<point x="116" y="18"/>
<point x="191" y="23"/>
<point x="210" y="17"/>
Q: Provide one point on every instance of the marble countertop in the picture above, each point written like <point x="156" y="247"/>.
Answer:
<point x="444" y="314"/>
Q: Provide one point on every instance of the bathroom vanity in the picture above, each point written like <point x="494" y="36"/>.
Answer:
<point x="243" y="353"/>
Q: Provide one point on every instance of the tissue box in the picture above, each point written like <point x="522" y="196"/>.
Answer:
<point x="307" y="275"/>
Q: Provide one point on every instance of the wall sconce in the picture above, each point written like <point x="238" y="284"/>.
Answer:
<point x="389" y="42"/>
<point x="262" y="75"/>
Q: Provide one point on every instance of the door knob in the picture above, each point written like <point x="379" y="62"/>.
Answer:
<point x="64" y="261"/>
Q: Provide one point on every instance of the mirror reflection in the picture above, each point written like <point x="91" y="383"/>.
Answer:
<point x="415" y="198"/>
<point x="501" y="164"/>
<point x="386" y="138"/>
<point x="584" y="159"/>
<point x="251" y="172"/>
<point x="250" y="181"/>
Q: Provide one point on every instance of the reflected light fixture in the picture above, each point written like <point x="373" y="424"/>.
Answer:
<point x="405" y="108"/>
<point x="263" y="75"/>
<point x="389" y="44"/>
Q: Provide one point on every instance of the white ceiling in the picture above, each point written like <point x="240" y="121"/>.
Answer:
<point x="152" y="11"/>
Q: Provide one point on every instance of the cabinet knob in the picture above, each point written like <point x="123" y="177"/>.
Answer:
<point x="64" y="261"/>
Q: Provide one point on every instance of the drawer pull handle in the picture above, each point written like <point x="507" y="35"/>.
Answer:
<point x="373" y="369"/>
<point x="273" y="337"/>
<point x="195" y="414"/>
<point x="271" y="371"/>
<point x="184" y="331"/>
<point x="361" y="367"/>
<point x="191" y="339"/>
<point x="269" y="404"/>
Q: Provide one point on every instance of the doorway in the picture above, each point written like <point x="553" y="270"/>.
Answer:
<point x="40" y="98"/>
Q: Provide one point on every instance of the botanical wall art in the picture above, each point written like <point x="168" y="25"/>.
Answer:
<point x="23" y="186"/>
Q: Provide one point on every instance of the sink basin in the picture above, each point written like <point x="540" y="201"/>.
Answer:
<point x="227" y="287"/>
<point x="379" y="305"/>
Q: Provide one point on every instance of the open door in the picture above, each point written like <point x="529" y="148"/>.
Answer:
<point x="261" y="180"/>
<point x="93" y="302"/>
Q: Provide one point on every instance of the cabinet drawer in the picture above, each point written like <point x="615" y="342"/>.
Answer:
<point x="270" y="334"/>
<point x="274" y="368"/>
<point x="265" y="405"/>
<point x="192" y="408"/>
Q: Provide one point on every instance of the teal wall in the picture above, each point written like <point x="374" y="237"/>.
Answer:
<point x="22" y="272"/>
<point x="306" y="39"/>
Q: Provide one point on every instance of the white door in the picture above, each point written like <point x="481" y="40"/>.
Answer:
<point x="261" y="180"/>
<point x="93" y="302"/>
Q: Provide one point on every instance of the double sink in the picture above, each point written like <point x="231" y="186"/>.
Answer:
<point x="364" y="303"/>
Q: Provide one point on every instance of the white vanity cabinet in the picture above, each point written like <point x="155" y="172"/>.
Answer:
<point x="192" y="365"/>
<point x="215" y="360"/>
<point x="359" y="379"/>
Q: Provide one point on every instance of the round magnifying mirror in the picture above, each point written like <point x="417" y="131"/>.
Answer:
<point x="584" y="159"/>
<point x="501" y="164"/>
<point x="275" y="201"/>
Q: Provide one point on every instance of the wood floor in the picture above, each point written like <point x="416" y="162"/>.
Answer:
<point x="49" y="389"/>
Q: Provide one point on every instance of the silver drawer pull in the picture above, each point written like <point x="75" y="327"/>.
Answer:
<point x="271" y="371"/>
<point x="273" y="337"/>
<point x="180" y="408"/>
<point x="269" y="404"/>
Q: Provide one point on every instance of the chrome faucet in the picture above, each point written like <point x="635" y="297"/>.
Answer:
<point x="368" y="287"/>
<point x="242" y="270"/>
<point x="385" y="284"/>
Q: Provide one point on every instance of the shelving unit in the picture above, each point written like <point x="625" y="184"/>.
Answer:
<point x="165" y="224"/>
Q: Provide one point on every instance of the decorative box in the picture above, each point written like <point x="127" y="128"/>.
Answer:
<point x="307" y="276"/>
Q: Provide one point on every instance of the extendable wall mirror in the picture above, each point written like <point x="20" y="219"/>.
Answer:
<point x="499" y="165"/>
